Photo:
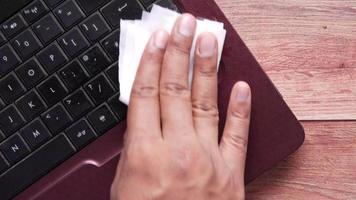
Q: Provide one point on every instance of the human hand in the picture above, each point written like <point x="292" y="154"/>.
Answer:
<point x="171" y="145"/>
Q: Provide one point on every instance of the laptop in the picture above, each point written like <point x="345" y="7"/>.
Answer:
<point x="61" y="123"/>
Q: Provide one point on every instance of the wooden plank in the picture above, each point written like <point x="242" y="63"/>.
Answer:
<point x="324" y="167"/>
<point x="308" y="48"/>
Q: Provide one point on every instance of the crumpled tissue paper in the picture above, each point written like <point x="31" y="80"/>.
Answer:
<point x="134" y="35"/>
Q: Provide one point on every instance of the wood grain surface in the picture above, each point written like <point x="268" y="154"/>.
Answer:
<point x="323" y="168"/>
<point x="308" y="48"/>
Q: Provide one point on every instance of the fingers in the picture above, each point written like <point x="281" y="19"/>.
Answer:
<point x="234" y="141"/>
<point x="144" y="111"/>
<point x="175" y="94"/>
<point x="204" y="89"/>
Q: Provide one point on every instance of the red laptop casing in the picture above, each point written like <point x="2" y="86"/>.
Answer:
<point x="274" y="133"/>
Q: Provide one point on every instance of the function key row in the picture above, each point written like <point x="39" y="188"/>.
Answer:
<point x="34" y="11"/>
<point x="69" y="13"/>
<point x="47" y="28"/>
<point x="27" y="16"/>
<point x="13" y="26"/>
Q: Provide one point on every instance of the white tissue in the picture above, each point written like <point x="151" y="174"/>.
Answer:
<point x="135" y="34"/>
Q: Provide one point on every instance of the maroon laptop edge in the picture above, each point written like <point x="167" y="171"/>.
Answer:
<point x="274" y="134"/>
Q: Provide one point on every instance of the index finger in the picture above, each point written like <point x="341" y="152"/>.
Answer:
<point x="144" y="113"/>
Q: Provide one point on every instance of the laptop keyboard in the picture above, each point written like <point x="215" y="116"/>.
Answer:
<point x="59" y="87"/>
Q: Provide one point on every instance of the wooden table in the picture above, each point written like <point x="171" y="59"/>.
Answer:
<point x="308" y="48"/>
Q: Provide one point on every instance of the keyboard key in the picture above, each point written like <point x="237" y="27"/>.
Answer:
<point x="119" y="109"/>
<point x="102" y="119"/>
<point x="168" y="4"/>
<point x="13" y="26"/>
<point x="121" y="9"/>
<point x="14" y="149"/>
<point x="147" y="3"/>
<point x="52" y="90"/>
<point x="26" y="44"/>
<point x="111" y="45"/>
<point x="34" y="11"/>
<point x="30" y="105"/>
<point x="53" y="3"/>
<point x="10" y="88"/>
<point x="47" y="29"/>
<point x="34" y="167"/>
<point x="30" y="73"/>
<point x="8" y="59"/>
<point x="35" y="134"/>
<point x="80" y="134"/>
<point x="95" y="60"/>
<point x="73" y="75"/>
<point x="3" y="164"/>
<point x="99" y="89"/>
<point x="78" y="104"/>
<point x="94" y="27"/>
<point x="52" y="58"/>
<point x="56" y="119"/>
<point x="89" y="6"/>
<point x="73" y="42"/>
<point x="2" y="39"/>
<point x="10" y="120"/>
<point x="113" y="74"/>
<point x="2" y="137"/>
<point x="68" y="13"/>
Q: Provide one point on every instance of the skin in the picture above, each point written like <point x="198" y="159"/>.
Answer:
<point x="171" y="149"/>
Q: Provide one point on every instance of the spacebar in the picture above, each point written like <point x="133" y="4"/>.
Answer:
<point x="34" y="167"/>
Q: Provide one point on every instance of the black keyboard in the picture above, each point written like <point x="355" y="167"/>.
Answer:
<point x="59" y="87"/>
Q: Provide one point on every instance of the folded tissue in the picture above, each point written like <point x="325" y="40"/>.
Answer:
<point x="134" y="35"/>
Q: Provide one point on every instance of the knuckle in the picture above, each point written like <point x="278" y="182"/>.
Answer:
<point x="152" y="57"/>
<point x="238" y="142"/>
<point x="177" y="46"/>
<point x="174" y="89"/>
<point x="207" y="69"/>
<point x="205" y="109"/>
<point x="138" y="154"/>
<point x="185" y="161"/>
<point x="223" y="183"/>
<point x="240" y="115"/>
<point x="143" y="91"/>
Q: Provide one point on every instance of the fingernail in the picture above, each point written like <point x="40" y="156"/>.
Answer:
<point x="243" y="92"/>
<point x="207" y="46"/>
<point x="187" y="25"/>
<point x="160" y="39"/>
